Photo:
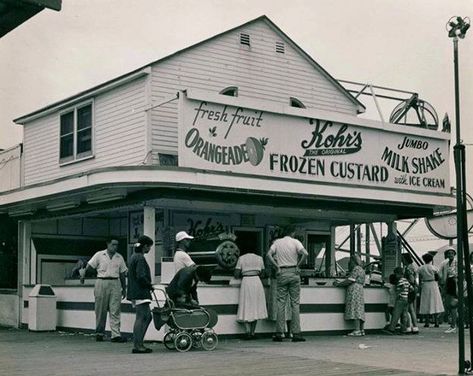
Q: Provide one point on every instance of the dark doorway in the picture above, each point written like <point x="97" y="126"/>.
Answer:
<point x="249" y="240"/>
<point x="8" y="252"/>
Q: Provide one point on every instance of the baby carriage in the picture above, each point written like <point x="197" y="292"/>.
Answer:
<point x="187" y="327"/>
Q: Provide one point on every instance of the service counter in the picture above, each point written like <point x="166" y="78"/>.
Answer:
<point x="322" y="309"/>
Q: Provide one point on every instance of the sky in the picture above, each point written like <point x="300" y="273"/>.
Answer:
<point x="394" y="43"/>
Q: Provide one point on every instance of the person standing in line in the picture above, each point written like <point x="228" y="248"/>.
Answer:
<point x="401" y="303"/>
<point x="181" y="258"/>
<point x="354" y="298"/>
<point x="410" y="273"/>
<point x="252" y="302"/>
<point x="140" y="285"/>
<point x="391" y="286"/>
<point x="272" y="306"/>
<point x="286" y="255"/>
<point x="430" y="299"/>
<point x="448" y="283"/>
<point x="110" y="288"/>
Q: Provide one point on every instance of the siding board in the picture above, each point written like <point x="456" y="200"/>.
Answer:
<point x="119" y="138"/>
<point x="259" y="72"/>
<point x="120" y="117"/>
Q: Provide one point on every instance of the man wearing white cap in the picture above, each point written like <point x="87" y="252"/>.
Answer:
<point x="181" y="258"/>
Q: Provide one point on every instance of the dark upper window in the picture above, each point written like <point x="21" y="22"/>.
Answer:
<point x="294" y="102"/>
<point x="231" y="91"/>
<point x="76" y="133"/>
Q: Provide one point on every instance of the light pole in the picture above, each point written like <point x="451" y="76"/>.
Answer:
<point x="457" y="28"/>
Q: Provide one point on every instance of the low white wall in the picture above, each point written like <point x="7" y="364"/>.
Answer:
<point x="321" y="309"/>
<point x="9" y="308"/>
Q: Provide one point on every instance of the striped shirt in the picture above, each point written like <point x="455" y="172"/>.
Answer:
<point x="402" y="288"/>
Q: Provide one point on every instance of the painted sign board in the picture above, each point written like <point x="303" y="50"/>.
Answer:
<point x="222" y="137"/>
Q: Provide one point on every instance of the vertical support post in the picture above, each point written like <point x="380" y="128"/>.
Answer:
<point x="367" y="243"/>
<point x="460" y="262"/>
<point x="24" y="262"/>
<point x="466" y="252"/>
<point x="458" y="148"/>
<point x="391" y="251"/>
<point x="149" y="227"/>
<point x="376" y="239"/>
<point x="24" y="243"/>
<point x="352" y="240"/>
<point x="358" y="240"/>
<point x="333" y="261"/>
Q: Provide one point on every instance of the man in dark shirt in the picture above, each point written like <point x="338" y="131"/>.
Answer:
<point x="182" y="290"/>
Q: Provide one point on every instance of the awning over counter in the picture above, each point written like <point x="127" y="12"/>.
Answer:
<point x="135" y="185"/>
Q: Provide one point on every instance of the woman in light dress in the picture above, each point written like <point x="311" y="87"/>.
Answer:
<point x="430" y="299"/>
<point x="354" y="298"/>
<point x="252" y="301"/>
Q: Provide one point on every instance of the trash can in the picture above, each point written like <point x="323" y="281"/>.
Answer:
<point x="42" y="309"/>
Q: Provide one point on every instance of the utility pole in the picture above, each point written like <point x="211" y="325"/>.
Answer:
<point x="457" y="28"/>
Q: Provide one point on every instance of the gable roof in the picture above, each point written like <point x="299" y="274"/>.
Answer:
<point x="67" y="101"/>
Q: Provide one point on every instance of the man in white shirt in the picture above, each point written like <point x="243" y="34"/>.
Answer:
<point x="287" y="254"/>
<point x="110" y="289"/>
<point x="181" y="258"/>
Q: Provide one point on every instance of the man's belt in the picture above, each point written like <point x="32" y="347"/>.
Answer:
<point x="287" y="267"/>
<point x="107" y="277"/>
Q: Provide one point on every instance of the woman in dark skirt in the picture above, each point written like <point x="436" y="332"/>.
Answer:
<point x="139" y="292"/>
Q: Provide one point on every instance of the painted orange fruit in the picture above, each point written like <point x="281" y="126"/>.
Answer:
<point x="255" y="150"/>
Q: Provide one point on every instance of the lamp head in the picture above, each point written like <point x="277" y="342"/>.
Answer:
<point x="463" y="30"/>
<point x="457" y="27"/>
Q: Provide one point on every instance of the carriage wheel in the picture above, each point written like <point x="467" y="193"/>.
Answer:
<point x="183" y="341"/>
<point x="209" y="341"/>
<point x="168" y="340"/>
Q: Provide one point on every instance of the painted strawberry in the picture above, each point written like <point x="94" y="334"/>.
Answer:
<point x="255" y="149"/>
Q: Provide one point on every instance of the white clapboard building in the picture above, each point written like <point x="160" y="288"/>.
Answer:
<point x="241" y="133"/>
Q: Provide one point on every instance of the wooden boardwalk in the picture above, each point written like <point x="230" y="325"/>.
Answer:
<point x="24" y="353"/>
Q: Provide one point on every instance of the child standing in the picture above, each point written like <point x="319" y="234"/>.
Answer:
<point x="392" y="298"/>
<point x="400" y="303"/>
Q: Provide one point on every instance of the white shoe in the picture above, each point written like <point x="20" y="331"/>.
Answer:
<point x="451" y="330"/>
